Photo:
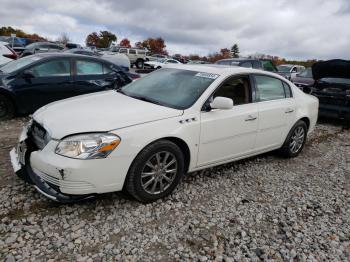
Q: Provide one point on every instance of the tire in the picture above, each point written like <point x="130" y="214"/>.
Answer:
<point x="139" y="63"/>
<point x="149" y="169"/>
<point x="295" y="140"/>
<point x="158" y="67"/>
<point x="7" y="108"/>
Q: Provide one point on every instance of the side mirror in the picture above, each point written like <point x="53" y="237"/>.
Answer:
<point x="27" y="74"/>
<point x="223" y="103"/>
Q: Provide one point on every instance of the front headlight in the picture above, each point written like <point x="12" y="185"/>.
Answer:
<point x="88" y="146"/>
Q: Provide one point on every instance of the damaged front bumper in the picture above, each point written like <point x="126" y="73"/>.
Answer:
<point x="46" y="185"/>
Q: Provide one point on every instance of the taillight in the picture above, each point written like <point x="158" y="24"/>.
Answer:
<point x="13" y="54"/>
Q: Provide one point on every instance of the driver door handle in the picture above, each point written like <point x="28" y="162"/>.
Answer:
<point x="289" y="110"/>
<point x="250" y="118"/>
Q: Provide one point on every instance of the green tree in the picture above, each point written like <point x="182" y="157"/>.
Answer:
<point x="106" y="39"/>
<point x="235" y="51"/>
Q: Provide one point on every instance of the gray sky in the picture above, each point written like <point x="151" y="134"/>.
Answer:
<point x="301" y="29"/>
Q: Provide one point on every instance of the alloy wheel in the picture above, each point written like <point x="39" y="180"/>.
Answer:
<point x="159" y="172"/>
<point x="297" y="139"/>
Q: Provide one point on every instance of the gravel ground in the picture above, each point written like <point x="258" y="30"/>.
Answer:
<point x="264" y="208"/>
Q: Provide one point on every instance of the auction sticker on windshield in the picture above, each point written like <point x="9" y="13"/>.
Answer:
<point x="207" y="75"/>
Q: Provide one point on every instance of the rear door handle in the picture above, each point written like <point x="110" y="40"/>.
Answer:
<point x="250" y="118"/>
<point x="289" y="110"/>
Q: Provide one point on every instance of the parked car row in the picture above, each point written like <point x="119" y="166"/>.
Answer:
<point x="143" y="136"/>
<point x="262" y="64"/>
<point x="157" y="64"/>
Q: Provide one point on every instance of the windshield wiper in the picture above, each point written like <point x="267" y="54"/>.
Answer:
<point x="146" y="99"/>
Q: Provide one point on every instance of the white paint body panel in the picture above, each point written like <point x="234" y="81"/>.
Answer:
<point x="4" y="51"/>
<point x="214" y="137"/>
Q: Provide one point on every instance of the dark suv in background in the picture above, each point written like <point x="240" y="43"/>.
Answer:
<point x="262" y="64"/>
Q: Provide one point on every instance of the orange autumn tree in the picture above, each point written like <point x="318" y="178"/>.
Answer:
<point x="125" y="43"/>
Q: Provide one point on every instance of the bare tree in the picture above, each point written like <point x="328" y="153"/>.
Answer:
<point x="63" y="38"/>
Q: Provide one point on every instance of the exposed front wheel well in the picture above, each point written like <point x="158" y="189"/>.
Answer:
<point x="184" y="148"/>
<point x="307" y="122"/>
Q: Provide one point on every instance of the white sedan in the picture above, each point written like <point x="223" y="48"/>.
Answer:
<point x="161" y="63"/>
<point x="144" y="137"/>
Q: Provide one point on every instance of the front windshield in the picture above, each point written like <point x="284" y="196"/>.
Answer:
<point x="284" y="68"/>
<point x="17" y="64"/>
<point x="175" y="88"/>
<point x="306" y="73"/>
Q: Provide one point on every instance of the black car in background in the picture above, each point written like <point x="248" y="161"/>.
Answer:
<point x="262" y="64"/>
<point x="41" y="47"/>
<point x="34" y="81"/>
<point x="332" y="88"/>
<point x="304" y="80"/>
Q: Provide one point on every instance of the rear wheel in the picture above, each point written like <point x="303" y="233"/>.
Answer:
<point x="7" y="108"/>
<point x="139" y="63"/>
<point x="155" y="172"/>
<point x="295" y="140"/>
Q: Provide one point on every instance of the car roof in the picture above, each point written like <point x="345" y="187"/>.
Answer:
<point x="239" y="59"/>
<point x="222" y="70"/>
<point x="72" y="55"/>
<point x="64" y="54"/>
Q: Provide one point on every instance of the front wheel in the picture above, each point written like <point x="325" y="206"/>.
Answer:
<point x="155" y="172"/>
<point x="295" y="140"/>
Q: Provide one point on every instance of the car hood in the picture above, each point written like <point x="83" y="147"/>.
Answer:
<point x="336" y="68"/>
<point x="99" y="112"/>
<point x="307" y="81"/>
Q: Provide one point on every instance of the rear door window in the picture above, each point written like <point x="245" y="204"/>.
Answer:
<point x="268" y="88"/>
<point x="132" y="51"/>
<point x="85" y="67"/>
